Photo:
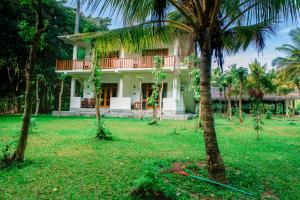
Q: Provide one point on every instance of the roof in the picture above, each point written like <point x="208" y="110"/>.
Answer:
<point x="267" y="97"/>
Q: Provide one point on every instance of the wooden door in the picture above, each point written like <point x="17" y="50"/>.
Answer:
<point x="147" y="92"/>
<point x="108" y="90"/>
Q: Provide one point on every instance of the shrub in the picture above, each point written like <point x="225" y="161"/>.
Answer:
<point x="103" y="133"/>
<point x="6" y="152"/>
<point x="269" y="114"/>
<point x="151" y="185"/>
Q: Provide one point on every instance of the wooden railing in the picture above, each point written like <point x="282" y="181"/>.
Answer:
<point x="116" y="63"/>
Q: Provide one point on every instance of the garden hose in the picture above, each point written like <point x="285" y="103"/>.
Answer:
<point x="220" y="184"/>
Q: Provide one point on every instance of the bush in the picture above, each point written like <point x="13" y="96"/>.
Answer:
<point x="6" y="152"/>
<point x="151" y="185"/>
<point x="269" y="114"/>
<point x="103" y="133"/>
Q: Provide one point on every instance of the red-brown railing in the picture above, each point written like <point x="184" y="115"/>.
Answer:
<point x="116" y="63"/>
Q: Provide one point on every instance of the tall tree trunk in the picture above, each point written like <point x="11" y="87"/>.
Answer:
<point x="286" y="107"/>
<point x="37" y="106"/>
<point x="225" y="103"/>
<point x="220" y="103"/>
<point x="214" y="161"/>
<point x="97" y="107"/>
<point x="141" y="101"/>
<point x="229" y="103"/>
<point x="240" y="103"/>
<point x="160" y="100"/>
<point x="60" y="97"/>
<point x="199" y="124"/>
<point x="29" y="70"/>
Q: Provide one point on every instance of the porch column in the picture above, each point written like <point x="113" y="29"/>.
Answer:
<point x="175" y="85"/>
<point x="121" y="86"/>
<point x="72" y="87"/>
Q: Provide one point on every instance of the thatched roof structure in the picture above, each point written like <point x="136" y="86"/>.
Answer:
<point x="267" y="97"/>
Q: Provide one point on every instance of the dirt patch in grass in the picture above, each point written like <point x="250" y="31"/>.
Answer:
<point x="75" y="151"/>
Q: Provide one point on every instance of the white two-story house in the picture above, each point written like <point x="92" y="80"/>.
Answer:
<point x="127" y="80"/>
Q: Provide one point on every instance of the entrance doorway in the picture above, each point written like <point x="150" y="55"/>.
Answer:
<point x="108" y="90"/>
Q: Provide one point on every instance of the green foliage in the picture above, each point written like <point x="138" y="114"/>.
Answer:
<point x="158" y="77"/>
<point x="6" y="152"/>
<point x="95" y="77"/>
<point x="257" y="113"/>
<point x="62" y="76"/>
<point x="193" y="61"/>
<point x="151" y="185"/>
<point x="33" y="125"/>
<point x="269" y="112"/>
<point x="103" y="133"/>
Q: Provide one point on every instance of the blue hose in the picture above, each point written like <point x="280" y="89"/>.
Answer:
<point x="220" y="184"/>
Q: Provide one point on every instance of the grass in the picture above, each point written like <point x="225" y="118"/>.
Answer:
<point x="65" y="161"/>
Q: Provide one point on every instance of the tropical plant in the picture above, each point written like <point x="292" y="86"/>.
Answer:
<point x="284" y="87"/>
<point x="158" y="77"/>
<point x="229" y="79"/>
<point x="217" y="79"/>
<point x="193" y="61"/>
<point x="241" y="78"/>
<point x="290" y="65"/>
<point x="102" y="133"/>
<point x="213" y="25"/>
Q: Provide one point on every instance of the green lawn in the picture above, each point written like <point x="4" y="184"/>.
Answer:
<point x="65" y="161"/>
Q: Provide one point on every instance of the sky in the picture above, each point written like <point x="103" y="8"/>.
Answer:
<point x="242" y="58"/>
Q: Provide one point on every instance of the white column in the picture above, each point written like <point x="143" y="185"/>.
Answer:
<point x="121" y="86"/>
<point x="75" y="50"/>
<point x="175" y="85"/>
<point x="72" y="87"/>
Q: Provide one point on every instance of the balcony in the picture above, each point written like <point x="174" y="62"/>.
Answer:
<point x="116" y="63"/>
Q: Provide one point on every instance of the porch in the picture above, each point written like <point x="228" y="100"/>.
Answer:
<point x="127" y="92"/>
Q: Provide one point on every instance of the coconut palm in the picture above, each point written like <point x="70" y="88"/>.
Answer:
<point x="241" y="78"/>
<point x="217" y="78"/>
<point x="290" y="64"/>
<point x="229" y="78"/>
<point x="213" y="25"/>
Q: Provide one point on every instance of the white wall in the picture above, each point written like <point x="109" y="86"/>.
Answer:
<point x="120" y="103"/>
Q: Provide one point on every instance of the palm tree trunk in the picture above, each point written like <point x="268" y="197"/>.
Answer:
<point x="229" y="103"/>
<point x="60" y="97"/>
<point x="29" y="70"/>
<point x="199" y="125"/>
<point x="220" y="103"/>
<point x="225" y="103"/>
<point x="37" y="106"/>
<point x="240" y="103"/>
<point x="214" y="161"/>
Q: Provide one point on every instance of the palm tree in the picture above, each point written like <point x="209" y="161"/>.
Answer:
<point x="284" y="87"/>
<point x="217" y="79"/>
<point x="229" y="78"/>
<point x="213" y="25"/>
<point x="290" y="64"/>
<point x="241" y="77"/>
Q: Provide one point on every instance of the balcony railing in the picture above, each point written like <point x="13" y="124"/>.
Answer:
<point x="116" y="63"/>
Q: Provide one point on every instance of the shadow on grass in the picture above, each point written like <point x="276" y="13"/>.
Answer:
<point x="7" y="166"/>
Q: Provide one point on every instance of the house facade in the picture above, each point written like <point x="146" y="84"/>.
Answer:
<point x="127" y="81"/>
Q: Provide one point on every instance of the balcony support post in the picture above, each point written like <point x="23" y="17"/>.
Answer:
<point x="121" y="86"/>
